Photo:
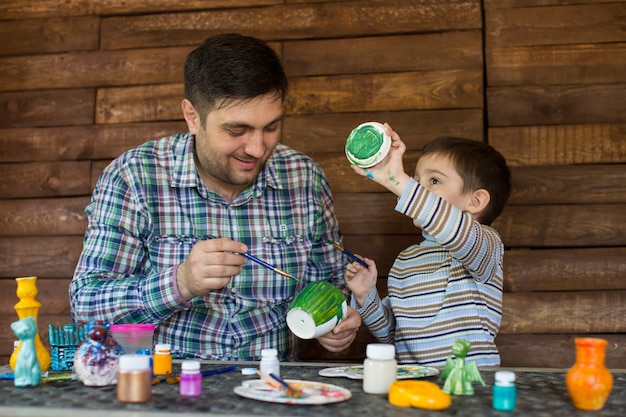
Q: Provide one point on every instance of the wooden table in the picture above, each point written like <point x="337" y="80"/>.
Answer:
<point x="541" y="392"/>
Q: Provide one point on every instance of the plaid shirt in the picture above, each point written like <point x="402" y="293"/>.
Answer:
<point x="150" y="207"/>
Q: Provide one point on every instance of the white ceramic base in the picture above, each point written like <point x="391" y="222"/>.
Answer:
<point x="301" y="323"/>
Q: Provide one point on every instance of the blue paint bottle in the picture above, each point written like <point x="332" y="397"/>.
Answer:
<point x="504" y="391"/>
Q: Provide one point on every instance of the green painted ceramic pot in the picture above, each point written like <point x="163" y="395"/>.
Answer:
<point x="367" y="144"/>
<point x="316" y="310"/>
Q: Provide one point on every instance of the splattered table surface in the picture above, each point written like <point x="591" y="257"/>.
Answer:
<point x="539" y="393"/>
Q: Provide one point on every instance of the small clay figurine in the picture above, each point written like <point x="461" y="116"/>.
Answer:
<point x="460" y="375"/>
<point x="27" y="370"/>
<point x="96" y="359"/>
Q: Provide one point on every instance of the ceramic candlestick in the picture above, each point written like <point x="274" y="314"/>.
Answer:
<point x="27" y="306"/>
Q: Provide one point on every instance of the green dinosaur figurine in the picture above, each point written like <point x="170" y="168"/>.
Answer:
<point x="460" y="375"/>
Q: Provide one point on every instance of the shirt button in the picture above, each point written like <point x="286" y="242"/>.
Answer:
<point x="233" y="290"/>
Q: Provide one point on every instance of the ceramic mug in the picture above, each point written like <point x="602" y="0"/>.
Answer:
<point x="316" y="310"/>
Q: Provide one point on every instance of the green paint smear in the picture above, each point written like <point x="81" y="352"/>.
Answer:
<point x="322" y="300"/>
<point x="364" y="142"/>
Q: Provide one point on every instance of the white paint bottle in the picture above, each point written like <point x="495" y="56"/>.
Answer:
<point x="380" y="368"/>
<point x="269" y="362"/>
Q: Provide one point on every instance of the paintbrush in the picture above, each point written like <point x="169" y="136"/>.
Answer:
<point x="291" y="390"/>
<point x="175" y="379"/>
<point x="262" y="262"/>
<point x="348" y="253"/>
<point x="271" y="382"/>
<point x="275" y="382"/>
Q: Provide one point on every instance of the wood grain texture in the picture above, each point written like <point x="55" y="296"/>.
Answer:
<point x="93" y="69"/>
<point x="44" y="36"/>
<point x="568" y="184"/>
<point x="567" y="144"/>
<point x="584" y="269"/>
<point x="43" y="256"/>
<point x="293" y="21"/>
<point x="18" y="9"/>
<point x="508" y="4"/>
<point x="386" y="91"/>
<point x="70" y="143"/>
<point x="437" y="51"/>
<point x="585" y="23"/>
<point x="581" y="225"/>
<point x="47" y="108"/>
<point x="577" y="312"/>
<point x="556" y="104"/>
<point x="43" y="217"/>
<point x="48" y="179"/>
<point x="557" y="64"/>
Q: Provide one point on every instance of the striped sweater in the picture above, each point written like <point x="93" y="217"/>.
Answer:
<point x="446" y="288"/>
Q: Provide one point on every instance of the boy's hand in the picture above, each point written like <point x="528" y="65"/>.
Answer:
<point x="360" y="280"/>
<point x="390" y="171"/>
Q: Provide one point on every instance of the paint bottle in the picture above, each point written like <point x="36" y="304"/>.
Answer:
<point x="162" y="359"/>
<point x="190" y="379"/>
<point x="380" y="368"/>
<point x="269" y="362"/>
<point x="146" y="352"/>
<point x="504" y="391"/>
<point x="134" y="379"/>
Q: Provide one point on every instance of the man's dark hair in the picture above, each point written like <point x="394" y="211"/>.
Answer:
<point x="230" y="67"/>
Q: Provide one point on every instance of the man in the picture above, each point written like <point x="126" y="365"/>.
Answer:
<point x="169" y="220"/>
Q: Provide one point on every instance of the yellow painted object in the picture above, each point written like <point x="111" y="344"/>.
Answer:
<point x="418" y="394"/>
<point x="28" y="306"/>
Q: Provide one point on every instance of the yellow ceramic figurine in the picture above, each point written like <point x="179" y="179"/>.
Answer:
<point x="29" y="307"/>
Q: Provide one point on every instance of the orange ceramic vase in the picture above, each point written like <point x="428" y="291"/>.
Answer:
<point x="588" y="382"/>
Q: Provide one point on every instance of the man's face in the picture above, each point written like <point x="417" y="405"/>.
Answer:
<point x="236" y="142"/>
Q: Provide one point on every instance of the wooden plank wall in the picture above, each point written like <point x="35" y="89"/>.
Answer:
<point x="556" y="82"/>
<point x="542" y="80"/>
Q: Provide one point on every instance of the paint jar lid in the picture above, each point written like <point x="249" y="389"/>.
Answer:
<point x="248" y="371"/>
<point x="133" y="362"/>
<point x="162" y="348"/>
<point x="190" y="366"/>
<point x="269" y="353"/>
<point x="367" y="144"/>
<point x="382" y="351"/>
<point x="504" y="377"/>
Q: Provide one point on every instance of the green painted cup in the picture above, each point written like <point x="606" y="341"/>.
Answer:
<point x="316" y="310"/>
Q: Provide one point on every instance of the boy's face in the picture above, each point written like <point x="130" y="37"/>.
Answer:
<point x="438" y="174"/>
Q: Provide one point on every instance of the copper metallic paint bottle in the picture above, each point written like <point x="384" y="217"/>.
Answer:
<point x="134" y="379"/>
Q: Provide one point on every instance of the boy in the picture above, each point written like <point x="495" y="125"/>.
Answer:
<point x="449" y="286"/>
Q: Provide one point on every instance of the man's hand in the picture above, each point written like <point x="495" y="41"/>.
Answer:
<point x="341" y="337"/>
<point x="209" y="266"/>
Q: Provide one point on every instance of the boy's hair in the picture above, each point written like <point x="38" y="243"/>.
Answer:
<point x="232" y="67"/>
<point x="480" y="166"/>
